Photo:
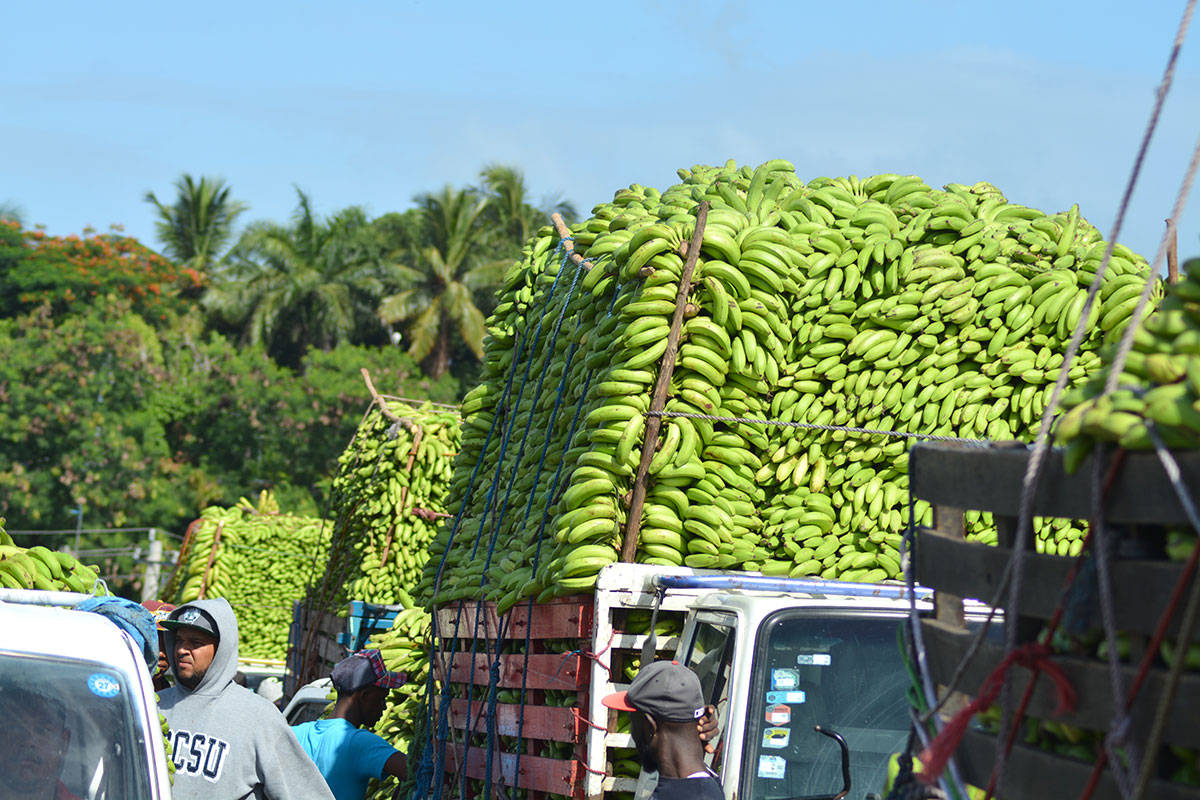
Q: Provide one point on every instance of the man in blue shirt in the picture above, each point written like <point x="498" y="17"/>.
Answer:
<point x="348" y="756"/>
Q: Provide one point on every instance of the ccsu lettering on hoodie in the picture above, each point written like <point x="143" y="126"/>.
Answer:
<point x="198" y="754"/>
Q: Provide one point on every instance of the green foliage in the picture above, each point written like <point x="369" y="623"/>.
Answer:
<point x="79" y="431"/>
<point x="313" y="283"/>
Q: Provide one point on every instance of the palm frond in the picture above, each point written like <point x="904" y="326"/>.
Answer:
<point x="423" y="333"/>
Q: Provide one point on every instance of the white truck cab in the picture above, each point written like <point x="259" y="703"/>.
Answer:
<point x="77" y="702"/>
<point x="778" y="657"/>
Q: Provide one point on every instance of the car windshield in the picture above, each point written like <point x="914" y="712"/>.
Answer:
<point x="71" y="723"/>
<point x="844" y="673"/>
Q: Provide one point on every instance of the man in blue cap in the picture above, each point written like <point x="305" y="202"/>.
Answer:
<point x="348" y="756"/>
<point x="666" y="701"/>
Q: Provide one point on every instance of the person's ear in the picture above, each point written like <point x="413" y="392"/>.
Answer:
<point x="66" y="739"/>
<point x="651" y="726"/>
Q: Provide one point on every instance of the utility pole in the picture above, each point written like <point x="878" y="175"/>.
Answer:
<point x="153" y="566"/>
<point x="78" y="512"/>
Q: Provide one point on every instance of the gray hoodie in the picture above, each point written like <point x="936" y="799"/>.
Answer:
<point x="228" y="742"/>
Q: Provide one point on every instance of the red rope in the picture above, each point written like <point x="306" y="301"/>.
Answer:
<point x="1034" y="656"/>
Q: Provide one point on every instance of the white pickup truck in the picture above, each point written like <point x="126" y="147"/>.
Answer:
<point x="77" y="704"/>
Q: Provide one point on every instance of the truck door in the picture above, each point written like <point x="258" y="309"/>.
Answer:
<point x="709" y="652"/>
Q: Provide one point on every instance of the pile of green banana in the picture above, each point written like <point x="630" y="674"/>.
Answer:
<point x="405" y="648"/>
<point x="879" y="303"/>
<point x="1159" y="384"/>
<point x="41" y="568"/>
<point x="262" y="563"/>
<point x="388" y="496"/>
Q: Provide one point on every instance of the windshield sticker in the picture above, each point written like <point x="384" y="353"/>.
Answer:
<point x="779" y="714"/>
<point x="772" y="767"/>
<point x="776" y="738"/>
<point x="103" y="685"/>
<point x="792" y="698"/>
<point x="814" y="659"/>
<point x="784" y="679"/>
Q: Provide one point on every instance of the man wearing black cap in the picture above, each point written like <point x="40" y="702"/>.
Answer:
<point x="347" y="756"/>
<point x="666" y="701"/>
<point x="227" y="742"/>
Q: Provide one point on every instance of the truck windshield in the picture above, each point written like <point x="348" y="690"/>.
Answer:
<point x="842" y="672"/>
<point x="69" y="727"/>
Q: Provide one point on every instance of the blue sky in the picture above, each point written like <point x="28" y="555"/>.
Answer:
<point x="373" y="102"/>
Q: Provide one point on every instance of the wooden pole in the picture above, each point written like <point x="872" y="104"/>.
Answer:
<point x="564" y="233"/>
<point x="658" y="400"/>
<point x="1172" y="253"/>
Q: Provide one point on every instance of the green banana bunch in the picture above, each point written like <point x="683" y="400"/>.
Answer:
<point x="43" y="569"/>
<point x="875" y="302"/>
<point x="263" y="562"/>
<point x="1159" y="384"/>
<point x="388" y="496"/>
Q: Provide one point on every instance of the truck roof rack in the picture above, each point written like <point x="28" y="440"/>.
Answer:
<point x="762" y="583"/>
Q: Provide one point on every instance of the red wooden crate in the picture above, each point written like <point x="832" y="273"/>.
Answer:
<point x="560" y="618"/>
<point x="538" y="774"/>
<point x="563" y="672"/>
<point x="540" y="722"/>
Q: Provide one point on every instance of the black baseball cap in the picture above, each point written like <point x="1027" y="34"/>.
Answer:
<point x="192" y="617"/>
<point x="665" y="690"/>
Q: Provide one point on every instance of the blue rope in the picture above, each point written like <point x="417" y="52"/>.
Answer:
<point x="488" y="505"/>
<point x="427" y="770"/>
<point x="494" y="673"/>
<point x="551" y="497"/>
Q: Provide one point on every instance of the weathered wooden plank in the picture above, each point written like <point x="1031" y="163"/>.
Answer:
<point x="561" y="618"/>
<point x="1141" y="589"/>
<point x="1033" y="774"/>
<point x="566" y="672"/>
<point x="989" y="479"/>
<point x="945" y="648"/>
<point x="538" y="774"/>
<point x="540" y="722"/>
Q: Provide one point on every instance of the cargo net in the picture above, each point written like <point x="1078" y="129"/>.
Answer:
<point x="824" y="327"/>
<point x="387" y="497"/>
<point x="258" y="558"/>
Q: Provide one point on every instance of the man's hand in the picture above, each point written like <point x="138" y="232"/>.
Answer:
<point x="709" y="728"/>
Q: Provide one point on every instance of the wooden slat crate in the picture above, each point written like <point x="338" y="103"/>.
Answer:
<point x="954" y="478"/>
<point x="476" y="626"/>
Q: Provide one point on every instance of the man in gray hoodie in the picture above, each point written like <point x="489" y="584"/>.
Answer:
<point x="228" y="743"/>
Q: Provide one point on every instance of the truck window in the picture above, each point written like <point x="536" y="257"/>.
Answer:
<point x="843" y="672"/>
<point x="710" y="655"/>
<point x="73" y="723"/>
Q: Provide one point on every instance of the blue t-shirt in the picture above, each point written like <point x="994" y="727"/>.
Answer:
<point x="348" y="757"/>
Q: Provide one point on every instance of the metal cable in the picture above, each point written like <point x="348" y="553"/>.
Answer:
<point x="812" y="426"/>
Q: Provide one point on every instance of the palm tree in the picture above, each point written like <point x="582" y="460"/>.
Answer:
<point x="197" y="227"/>
<point x="12" y="212"/>
<point x="312" y="283"/>
<point x="450" y="266"/>
<point x="515" y="215"/>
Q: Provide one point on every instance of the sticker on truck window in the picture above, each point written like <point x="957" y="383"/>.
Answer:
<point x="792" y="698"/>
<point x="103" y="685"/>
<point x="814" y="660"/>
<point x="779" y="714"/>
<point x="772" y="767"/>
<point x="784" y="679"/>
<point x="776" y="738"/>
